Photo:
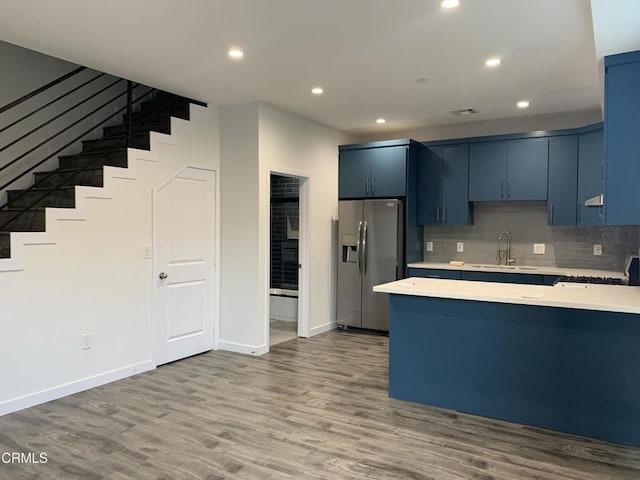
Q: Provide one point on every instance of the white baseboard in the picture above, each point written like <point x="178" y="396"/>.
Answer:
<point x="322" y="328"/>
<point x="242" y="348"/>
<point x="70" y="388"/>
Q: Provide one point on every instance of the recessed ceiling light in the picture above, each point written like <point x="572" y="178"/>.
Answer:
<point x="236" y="53"/>
<point x="317" y="91"/>
<point x="523" y="104"/>
<point x="381" y="121"/>
<point x="449" y="3"/>
<point x="421" y="80"/>
<point x="493" y="62"/>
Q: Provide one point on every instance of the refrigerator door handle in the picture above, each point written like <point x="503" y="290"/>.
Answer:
<point x="364" y="248"/>
<point x="359" y="248"/>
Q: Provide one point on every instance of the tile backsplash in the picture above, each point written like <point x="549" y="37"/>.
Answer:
<point x="570" y="247"/>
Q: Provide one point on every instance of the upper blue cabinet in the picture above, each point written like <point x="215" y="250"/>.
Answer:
<point x="379" y="171"/>
<point x="590" y="164"/>
<point x="443" y="186"/>
<point x="509" y="170"/>
<point x="487" y="171"/>
<point x="563" y="180"/>
<point x="622" y="139"/>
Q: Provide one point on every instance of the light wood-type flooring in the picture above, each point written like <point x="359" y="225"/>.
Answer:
<point x="311" y="409"/>
<point x="282" y="331"/>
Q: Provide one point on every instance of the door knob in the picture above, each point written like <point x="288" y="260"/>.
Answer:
<point x="163" y="275"/>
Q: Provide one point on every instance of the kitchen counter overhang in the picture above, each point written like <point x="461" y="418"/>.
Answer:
<point x="562" y="358"/>
<point x="606" y="298"/>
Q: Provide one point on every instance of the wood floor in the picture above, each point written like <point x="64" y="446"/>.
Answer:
<point x="282" y="331"/>
<point x="311" y="409"/>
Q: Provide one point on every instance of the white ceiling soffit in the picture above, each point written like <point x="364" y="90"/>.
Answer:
<point x="366" y="54"/>
<point x="616" y="26"/>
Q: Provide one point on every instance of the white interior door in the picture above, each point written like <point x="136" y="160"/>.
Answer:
<point x="184" y="267"/>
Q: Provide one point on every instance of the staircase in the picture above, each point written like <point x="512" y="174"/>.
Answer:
<point x="25" y="211"/>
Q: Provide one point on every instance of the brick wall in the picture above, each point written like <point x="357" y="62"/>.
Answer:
<point x="285" y="193"/>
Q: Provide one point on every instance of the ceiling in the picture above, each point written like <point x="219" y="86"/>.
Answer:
<point x="366" y="54"/>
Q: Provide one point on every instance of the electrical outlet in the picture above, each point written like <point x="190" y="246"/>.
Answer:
<point x="539" y="248"/>
<point x="87" y="341"/>
<point x="460" y="247"/>
<point x="429" y="246"/>
<point x="146" y="252"/>
<point x="597" y="249"/>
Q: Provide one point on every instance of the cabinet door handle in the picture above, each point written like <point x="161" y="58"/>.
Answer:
<point x="444" y="214"/>
<point x="366" y="187"/>
<point x="509" y="189"/>
<point x="501" y="188"/>
<point x="373" y="185"/>
<point x="551" y="213"/>
<point x="437" y="213"/>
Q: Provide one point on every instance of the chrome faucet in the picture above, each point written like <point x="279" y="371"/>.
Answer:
<point x="507" y="259"/>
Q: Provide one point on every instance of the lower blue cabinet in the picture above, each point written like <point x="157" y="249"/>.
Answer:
<point x="433" y="273"/>
<point x="479" y="276"/>
<point x="499" y="277"/>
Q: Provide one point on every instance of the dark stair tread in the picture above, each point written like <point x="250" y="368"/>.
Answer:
<point x="70" y="169"/>
<point x="45" y="189"/>
<point x="5" y="245"/>
<point x="62" y="197"/>
<point x="161" y="126"/>
<point x="36" y="209"/>
<point x="95" y="153"/>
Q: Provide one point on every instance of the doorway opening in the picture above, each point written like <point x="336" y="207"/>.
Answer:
<point x="284" y="258"/>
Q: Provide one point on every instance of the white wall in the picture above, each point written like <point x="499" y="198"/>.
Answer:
<point x="256" y="137"/>
<point x="87" y="274"/>
<point x="463" y="129"/>
<point x="291" y="142"/>
<point x="240" y="312"/>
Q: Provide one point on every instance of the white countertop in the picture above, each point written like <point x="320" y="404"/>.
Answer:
<point x="524" y="269"/>
<point x="607" y="298"/>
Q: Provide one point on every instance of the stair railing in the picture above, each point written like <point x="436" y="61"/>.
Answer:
<point x="122" y="87"/>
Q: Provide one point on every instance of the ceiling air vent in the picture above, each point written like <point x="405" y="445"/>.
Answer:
<point x="464" y="111"/>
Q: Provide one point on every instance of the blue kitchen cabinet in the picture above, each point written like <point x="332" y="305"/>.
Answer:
<point x="430" y="186"/>
<point x="500" y="277"/>
<point x="508" y="170"/>
<point x="622" y="139"/>
<point x="563" y="180"/>
<point x="455" y="185"/>
<point x="354" y="173"/>
<point x="487" y="171"/>
<point x="373" y="172"/>
<point x="433" y="273"/>
<point x="590" y="184"/>
<point x="527" y="167"/>
<point x="444" y="186"/>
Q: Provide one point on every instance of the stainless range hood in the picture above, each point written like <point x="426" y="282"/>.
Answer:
<point x="597" y="201"/>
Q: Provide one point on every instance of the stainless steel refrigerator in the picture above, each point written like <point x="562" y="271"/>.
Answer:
<point x="371" y="243"/>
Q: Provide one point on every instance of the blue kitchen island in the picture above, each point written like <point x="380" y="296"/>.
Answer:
<point x="564" y="357"/>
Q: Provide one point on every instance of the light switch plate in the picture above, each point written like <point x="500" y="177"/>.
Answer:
<point x="597" y="249"/>
<point x="87" y="341"/>
<point x="539" y="248"/>
<point x="460" y="247"/>
<point x="429" y="246"/>
<point x="146" y="251"/>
